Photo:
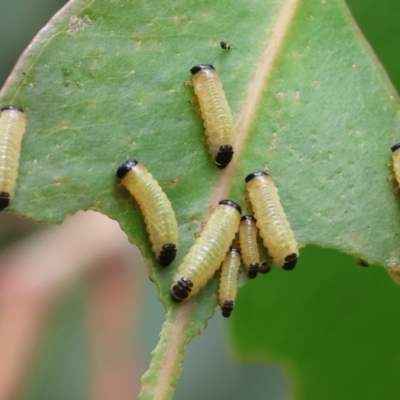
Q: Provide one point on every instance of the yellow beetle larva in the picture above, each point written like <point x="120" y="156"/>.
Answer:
<point x="12" y="129"/>
<point x="396" y="161"/>
<point x="208" y="252"/>
<point x="274" y="227"/>
<point x="248" y="244"/>
<point x="228" y="281"/>
<point x="156" y="208"/>
<point x="216" y="113"/>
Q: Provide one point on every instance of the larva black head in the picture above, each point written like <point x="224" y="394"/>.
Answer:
<point x="224" y="156"/>
<point x="264" y="268"/>
<point x="395" y="147"/>
<point x="4" y="200"/>
<point x="167" y="254"/>
<point x="235" y="249"/>
<point x="248" y="218"/>
<point x="254" y="175"/>
<point x="124" y="168"/>
<point x="10" y="107"/>
<point x="290" y="263"/>
<point x="201" y="67"/>
<point x="180" y="291"/>
<point x="253" y="270"/>
<point x="231" y="204"/>
<point x="227" y="308"/>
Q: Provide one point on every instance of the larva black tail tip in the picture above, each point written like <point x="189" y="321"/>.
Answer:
<point x="11" y="107"/>
<point x="180" y="291"/>
<point x="254" y="175"/>
<point x="231" y="204"/>
<point x="395" y="147"/>
<point x="227" y="308"/>
<point x="253" y="270"/>
<point x="167" y="254"/>
<point x="264" y="268"/>
<point x="247" y="218"/>
<point x="290" y="263"/>
<point x="124" y="168"/>
<point x="224" y="156"/>
<point x="200" y="67"/>
<point x="4" y="200"/>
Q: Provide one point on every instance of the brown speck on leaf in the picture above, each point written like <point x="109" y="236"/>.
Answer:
<point x="137" y="39"/>
<point x="273" y="141"/>
<point x="59" y="181"/>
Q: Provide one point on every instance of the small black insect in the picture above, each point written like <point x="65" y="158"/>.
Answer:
<point x="224" y="45"/>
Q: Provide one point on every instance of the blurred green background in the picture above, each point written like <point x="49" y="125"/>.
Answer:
<point x="343" y="290"/>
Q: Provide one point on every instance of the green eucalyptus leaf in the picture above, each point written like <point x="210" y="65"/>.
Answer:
<point x="104" y="82"/>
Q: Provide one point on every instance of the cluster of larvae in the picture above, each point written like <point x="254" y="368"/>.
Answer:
<point x="213" y="248"/>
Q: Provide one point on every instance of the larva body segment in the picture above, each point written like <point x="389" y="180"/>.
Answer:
<point x="218" y="121"/>
<point x="274" y="227"/>
<point x="12" y="128"/>
<point x="208" y="252"/>
<point x="396" y="161"/>
<point x="157" y="210"/>
<point x="248" y="244"/>
<point x="228" y="281"/>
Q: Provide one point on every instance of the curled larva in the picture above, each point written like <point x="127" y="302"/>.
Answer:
<point x="396" y="161"/>
<point x="274" y="227"/>
<point x="156" y="208"/>
<point x="12" y="128"/>
<point x="218" y="121"/>
<point x="228" y="281"/>
<point x="208" y="252"/>
<point x="248" y="233"/>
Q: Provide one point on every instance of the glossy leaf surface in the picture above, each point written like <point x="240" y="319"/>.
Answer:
<point x="103" y="82"/>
